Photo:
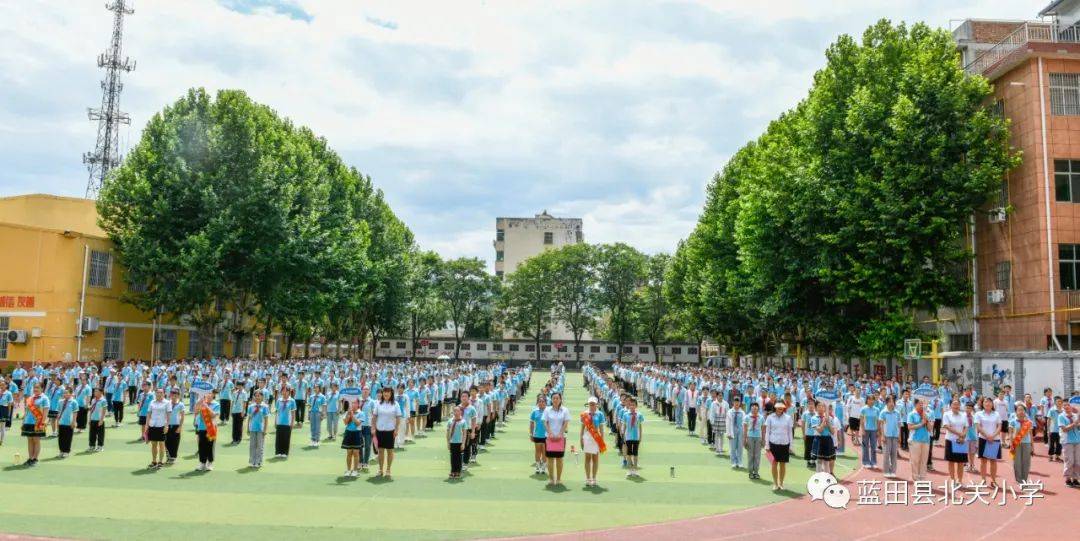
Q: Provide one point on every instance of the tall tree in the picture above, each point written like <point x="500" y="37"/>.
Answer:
<point x="620" y="271"/>
<point x="465" y="288"/>
<point x="575" y="288"/>
<point x="528" y="298"/>
<point x="425" y="309"/>
<point x="652" y="312"/>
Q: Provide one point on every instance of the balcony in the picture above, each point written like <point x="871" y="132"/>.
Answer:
<point x="1025" y="33"/>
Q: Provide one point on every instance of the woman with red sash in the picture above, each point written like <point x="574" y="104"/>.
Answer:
<point x="33" y="428"/>
<point x="1020" y="429"/>
<point x="592" y="439"/>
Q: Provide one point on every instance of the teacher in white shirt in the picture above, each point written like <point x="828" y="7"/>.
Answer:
<point x="955" y="424"/>
<point x="779" y="427"/>
<point x="556" y="418"/>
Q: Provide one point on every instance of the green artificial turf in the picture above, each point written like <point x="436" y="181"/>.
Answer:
<point x="111" y="495"/>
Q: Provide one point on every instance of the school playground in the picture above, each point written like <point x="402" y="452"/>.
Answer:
<point x="112" y="495"/>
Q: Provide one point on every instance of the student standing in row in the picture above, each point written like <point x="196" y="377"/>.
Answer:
<point x="556" y="418"/>
<point x="351" y="441"/>
<point x="752" y="435"/>
<point x="176" y="423"/>
<point x="318" y="408"/>
<point x="988" y="428"/>
<point x="385" y="420"/>
<point x="7" y="402"/>
<point x="592" y="438"/>
<point x="455" y="435"/>
<point x="157" y="419"/>
<point x="868" y="421"/>
<point x="66" y="418"/>
<point x="33" y="429"/>
<point x="919" y="423"/>
<point x="538" y="434"/>
<point x="257" y="414"/>
<point x="286" y="416"/>
<point x="1020" y="430"/>
<point x="236" y="411"/>
<point x="889" y="431"/>
<point x="632" y="422"/>
<point x="736" y="419"/>
<point x="1068" y="423"/>
<point x="824" y="451"/>
<point x="206" y="414"/>
<point x="97" y="413"/>
<point x="333" y="405"/>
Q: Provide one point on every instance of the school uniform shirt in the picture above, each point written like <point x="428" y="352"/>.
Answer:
<point x="1002" y="407"/>
<point x="333" y="400"/>
<point x="1068" y="436"/>
<point x="215" y="409"/>
<point x="237" y="405"/>
<point x="1051" y="419"/>
<point x="98" y="408"/>
<point x="958" y="421"/>
<point x="257" y="414"/>
<point x="598" y="418"/>
<point x="921" y="434"/>
<point x="6" y="398"/>
<point x="284" y="411"/>
<point x="174" y="413"/>
<point x="890" y="421"/>
<point x="754" y="425"/>
<point x="632" y="425"/>
<point x="987" y="423"/>
<point x="158" y="413"/>
<point x="808" y="423"/>
<point x="854" y="406"/>
<point x="41" y="402"/>
<point x="456" y="430"/>
<point x="67" y="409"/>
<point x="778" y="429"/>
<point x="537" y="417"/>
<point x="1015" y="424"/>
<point x="825" y="428"/>
<point x="386" y="417"/>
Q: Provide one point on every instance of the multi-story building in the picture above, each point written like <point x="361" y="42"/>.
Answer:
<point x="518" y="239"/>
<point x="1026" y="293"/>
<point x="61" y="291"/>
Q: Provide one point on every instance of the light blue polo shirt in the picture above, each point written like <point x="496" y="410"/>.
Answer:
<point x="891" y="422"/>
<point x="257" y="414"/>
<point x="537" y="417"/>
<point x="921" y="434"/>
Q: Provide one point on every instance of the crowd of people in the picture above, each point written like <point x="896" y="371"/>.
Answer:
<point x="376" y="407"/>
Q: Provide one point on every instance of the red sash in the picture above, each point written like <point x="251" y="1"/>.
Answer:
<point x="39" y="416"/>
<point x="1025" y="427"/>
<point x="586" y="418"/>
<point x="208" y="420"/>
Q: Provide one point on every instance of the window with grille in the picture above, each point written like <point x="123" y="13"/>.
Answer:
<point x="499" y="255"/>
<point x="676" y="350"/>
<point x="530" y="347"/>
<point x="481" y="347"/>
<point x="448" y="345"/>
<point x="500" y="235"/>
<point x="961" y="342"/>
<point x="1069" y="266"/>
<point x="4" y="325"/>
<point x="496" y="347"/>
<point x="100" y="269"/>
<point x="1003" y="274"/>
<point x="1067" y="181"/>
<point x="166" y="344"/>
<point x="594" y="349"/>
<point x="465" y="346"/>
<point x="549" y="237"/>
<point x="545" y="348"/>
<point x="514" y="347"/>
<point x="692" y="351"/>
<point x="217" y="346"/>
<point x="578" y="349"/>
<point x="1064" y="94"/>
<point x="113" y="347"/>
<point x="643" y="349"/>
<point x="384" y="345"/>
<point x="399" y="345"/>
<point x="612" y="349"/>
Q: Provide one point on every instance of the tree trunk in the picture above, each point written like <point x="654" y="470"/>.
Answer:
<point x="307" y="348"/>
<point x="577" y="347"/>
<point x="288" y="347"/>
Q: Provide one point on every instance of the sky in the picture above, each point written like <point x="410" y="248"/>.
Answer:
<point x="618" y="112"/>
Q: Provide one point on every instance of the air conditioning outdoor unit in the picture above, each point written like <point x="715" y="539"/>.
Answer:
<point x="997" y="215"/>
<point x="995" y="296"/>
<point x="90" y="324"/>
<point x="16" y="336"/>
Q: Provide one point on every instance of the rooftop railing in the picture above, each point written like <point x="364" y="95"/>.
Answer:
<point x="1026" y="32"/>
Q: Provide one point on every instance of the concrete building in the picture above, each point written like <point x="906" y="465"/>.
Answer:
<point x="60" y="269"/>
<point x="1027" y="239"/>
<point x="518" y="239"/>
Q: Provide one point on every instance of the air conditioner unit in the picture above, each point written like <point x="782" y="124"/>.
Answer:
<point x="997" y="215"/>
<point x="90" y="324"/>
<point x="995" y="296"/>
<point x="16" y="336"/>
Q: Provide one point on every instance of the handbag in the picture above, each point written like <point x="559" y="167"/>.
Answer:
<point x="556" y="445"/>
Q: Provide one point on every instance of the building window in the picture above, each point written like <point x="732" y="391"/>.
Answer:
<point x="612" y="349"/>
<point x="399" y="345"/>
<point x="193" y="344"/>
<point x="137" y="287"/>
<point x="643" y="349"/>
<point x="481" y="347"/>
<point x="1064" y="94"/>
<point x="514" y="347"/>
<point x="627" y="349"/>
<point x="245" y="346"/>
<point x="1003" y="194"/>
<point x="530" y="347"/>
<point x="433" y="345"/>
<point x="496" y="347"/>
<point x="545" y="348"/>
<point x="113" y="348"/>
<point x="1067" y="181"/>
<point x="448" y="345"/>
<point x="960" y="342"/>
<point x="465" y="346"/>
<point x="1003" y="274"/>
<point x="676" y="350"/>
<point x="1069" y="265"/>
<point x="594" y="349"/>
<point x="997" y="109"/>
<point x="166" y="344"/>
<point x="500" y="235"/>
<point x="4" y="325"/>
<point x="691" y="351"/>
<point x="578" y="236"/>
<point x="100" y="269"/>
<point x="578" y="349"/>
<point x="549" y="237"/>
<point x="499" y="255"/>
<point x="384" y="345"/>
<point x="217" y="344"/>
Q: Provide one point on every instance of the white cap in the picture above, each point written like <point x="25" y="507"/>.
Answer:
<point x="593" y="400"/>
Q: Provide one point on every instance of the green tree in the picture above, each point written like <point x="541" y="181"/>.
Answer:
<point x="528" y="298"/>
<point x="425" y="309"/>
<point x="652" y="313"/>
<point x="620" y="271"/>
<point x="575" y="290"/>
<point x="465" y="289"/>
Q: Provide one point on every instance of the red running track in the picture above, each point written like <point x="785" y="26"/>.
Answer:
<point x="1046" y="518"/>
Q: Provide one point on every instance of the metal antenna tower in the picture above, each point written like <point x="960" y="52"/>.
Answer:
<point x="106" y="154"/>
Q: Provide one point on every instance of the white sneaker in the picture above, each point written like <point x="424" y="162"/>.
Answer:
<point x="202" y="466"/>
<point x="210" y="466"/>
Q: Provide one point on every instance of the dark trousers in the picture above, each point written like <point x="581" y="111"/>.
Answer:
<point x="97" y="433"/>
<point x="172" y="441"/>
<point x="691" y="419"/>
<point x="709" y="433"/>
<point x="933" y="440"/>
<point x="300" y="410"/>
<point x="281" y="439"/>
<point x="365" y="445"/>
<point x="430" y="422"/>
<point x="132" y="391"/>
<point x="455" y="458"/>
<point x="226" y="407"/>
<point x="904" y="433"/>
<point x="237" y="427"/>
<point x="206" y="447"/>
<point x="118" y="412"/>
<point x="80" y="418"/>
<point x="1055" y="444"/>
<point x="64" y="437"/>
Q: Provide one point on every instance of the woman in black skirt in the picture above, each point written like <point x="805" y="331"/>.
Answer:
<point x="385" y="420"/>
<point x="351" y="442"/>
<point x="955" y="423"/>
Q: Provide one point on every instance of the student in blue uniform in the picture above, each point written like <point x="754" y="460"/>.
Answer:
<point x="351" y="441"/>
<point x="285" y="417"/>
<point x="98" y="412"/>
<point x="455" y="436"/>
<point x="318" y="409"/>
<point x="538" y="435"/>
<point x="333" y="406"/>
<point x="868" y="419"/>
<point x="633" y="430"/>
<point x="176" y="423"/>
<point x="889" y="434"/>
<point x="206" y="414"/>
<point x="7" y="401"/>
<point x="754" y="439"/>
<point x="257" y="414"/>
<point x="34" y="421"/>
<point x="237" y="410"/>
<point x="66" y="409"/>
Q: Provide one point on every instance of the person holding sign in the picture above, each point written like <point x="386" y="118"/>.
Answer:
<point x="592" y="439"/>
<point x="1020" y="429"/>
<point x="988" y="427"/>
<point x="556" y="418"/>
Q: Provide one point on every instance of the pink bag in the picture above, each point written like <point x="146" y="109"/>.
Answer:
<point x="556" y="445"/>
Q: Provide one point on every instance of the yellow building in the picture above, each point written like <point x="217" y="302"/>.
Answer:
<point x="60" y="269"/>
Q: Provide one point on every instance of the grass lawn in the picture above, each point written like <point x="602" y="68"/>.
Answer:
<point x="111" y="495"/>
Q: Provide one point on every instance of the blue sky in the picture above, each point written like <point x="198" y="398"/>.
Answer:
<point x="618" y="112"/>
